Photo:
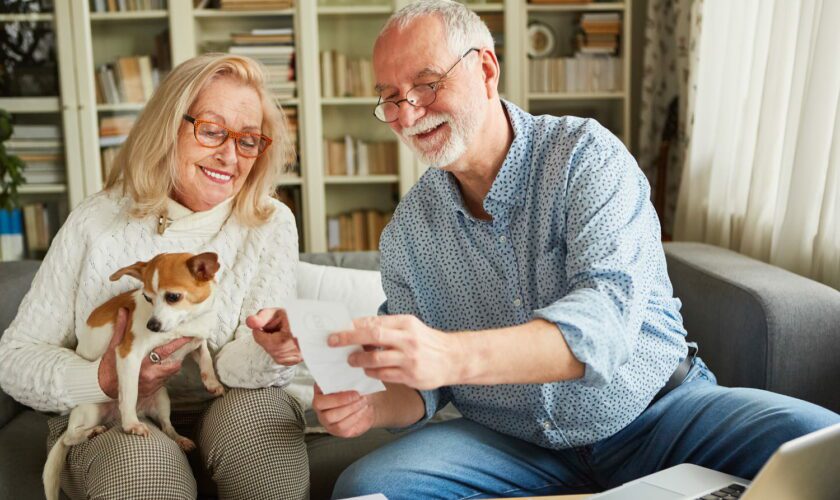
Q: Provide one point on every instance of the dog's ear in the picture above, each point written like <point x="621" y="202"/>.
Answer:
<point x="203" y="266"/>
<point x="135" y="271"/>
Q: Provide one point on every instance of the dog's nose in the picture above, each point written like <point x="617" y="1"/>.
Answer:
<point x="153" y="325"/>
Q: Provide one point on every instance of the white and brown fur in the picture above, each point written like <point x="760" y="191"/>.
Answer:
<point x="174" y="301"/>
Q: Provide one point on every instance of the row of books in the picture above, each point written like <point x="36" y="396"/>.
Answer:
<point x="126" y="5"/>
<point x="24" y="230"/>
<point x="582" y="73"/>
<point x="126" y="80"/>
<point x="274" y="48"/>
<point x="599" y="33"/>
<point x="343" y="76"/>
<point x="113" y="130"/>
<point x="40" y="148"/>
<point x="351" y="156"/>
<point x="356" y="231"/>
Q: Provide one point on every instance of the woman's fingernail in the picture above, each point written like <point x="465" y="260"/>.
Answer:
<point x="332" y="340"/>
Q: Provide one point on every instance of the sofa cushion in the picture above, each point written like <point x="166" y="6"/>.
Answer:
<point x="23" y="451"/>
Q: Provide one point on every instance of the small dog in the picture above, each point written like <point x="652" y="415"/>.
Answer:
<point x="174" y="301"/>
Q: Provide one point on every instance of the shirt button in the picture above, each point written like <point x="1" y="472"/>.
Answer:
<point x="547" y="425"/>
<point x="502" y="239"/>
<point x="517" y="302"/>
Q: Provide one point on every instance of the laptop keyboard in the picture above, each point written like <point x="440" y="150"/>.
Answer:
<point x="731" y="492"/>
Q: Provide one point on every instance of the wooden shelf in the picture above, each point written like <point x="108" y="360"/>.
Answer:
<point x="128" y="16"/>
<point x="216" y="13"/>
<point x="29" y="189"/>
<point x="360" y="10"/>
<point x="349" y="101"/>
<point x="121" y="106"/>
<point x="360" y="179"/>
<point x="30" y="104"/>
<point x="583" y="7"/>
<point x="15" y="18"/>
<point x="576" y="96"/>
<point x="290" y="180"/>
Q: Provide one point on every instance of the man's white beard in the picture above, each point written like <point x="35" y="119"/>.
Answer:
<point x="453" y="147"/>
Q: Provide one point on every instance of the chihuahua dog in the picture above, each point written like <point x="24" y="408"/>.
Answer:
<point x="174" y="301"/>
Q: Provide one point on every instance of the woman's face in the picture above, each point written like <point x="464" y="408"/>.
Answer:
<point x="209" y="176"/>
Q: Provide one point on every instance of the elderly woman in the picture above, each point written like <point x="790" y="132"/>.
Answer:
<point x="193" y="176"/>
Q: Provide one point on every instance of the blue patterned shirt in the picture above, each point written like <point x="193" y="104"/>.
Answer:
<point x="573" y="240"/>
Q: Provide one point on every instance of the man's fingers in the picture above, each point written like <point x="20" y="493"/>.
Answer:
<point x="375" y="335"/>
<point x="376" y="358"/>
<point x="335" y="400"/>
<point x="338" y="414"/>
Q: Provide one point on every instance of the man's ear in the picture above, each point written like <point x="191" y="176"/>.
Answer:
<point x="135" y="271"/>
<point x="203" y="266"/>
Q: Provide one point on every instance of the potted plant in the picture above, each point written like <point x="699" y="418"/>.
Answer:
<point x="11" y="167"/>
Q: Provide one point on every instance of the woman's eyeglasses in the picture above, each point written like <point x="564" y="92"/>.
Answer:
<point x="213" y="135"/>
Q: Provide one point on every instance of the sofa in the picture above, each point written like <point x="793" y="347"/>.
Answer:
<point x="757" y="326"/>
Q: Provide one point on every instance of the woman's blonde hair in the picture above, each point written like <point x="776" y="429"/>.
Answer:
<point x="146" y="167"/>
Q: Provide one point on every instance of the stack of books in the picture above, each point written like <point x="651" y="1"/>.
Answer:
<point x="113" y="131"/>
<point x="292" y="124"/>
<point x="126" y="5"/>
<point x="36" y="222"/>
<point x="599" y="33"/>
<point x="275" y="49"/>
<point x="582" y="73"/>
<point x="126" y="80"/>
<point x="351" y="156"/>
<point x="342" y="76"/>
<point x="11" y="235"/>
<point x="356" y="231"/>
<point x="40" y="148"/>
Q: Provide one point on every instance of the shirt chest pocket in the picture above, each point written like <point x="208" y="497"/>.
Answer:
<point x="550" y="276"/>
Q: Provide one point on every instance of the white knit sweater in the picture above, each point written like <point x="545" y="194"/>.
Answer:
<point x="38" y="365"/>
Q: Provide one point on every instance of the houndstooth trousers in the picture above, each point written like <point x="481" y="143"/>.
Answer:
<point x="250" y="442"/>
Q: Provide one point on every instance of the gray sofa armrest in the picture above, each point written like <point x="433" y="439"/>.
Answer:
<point x="15" y="279"/>
<point x="758" y="325"/>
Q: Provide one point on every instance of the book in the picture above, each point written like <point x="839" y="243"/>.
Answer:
<point x="11" y="235"/>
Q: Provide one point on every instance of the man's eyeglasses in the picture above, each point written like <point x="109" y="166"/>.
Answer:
<point x="213" y="135"/>
<point x="419" y="96"/>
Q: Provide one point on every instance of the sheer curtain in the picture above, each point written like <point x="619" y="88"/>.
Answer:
<point x="762" y="169"/>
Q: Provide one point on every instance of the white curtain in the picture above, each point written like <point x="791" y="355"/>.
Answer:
<point x="762" y="170"/>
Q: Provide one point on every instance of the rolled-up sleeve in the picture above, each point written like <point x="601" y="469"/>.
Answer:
<point x="608" y="224"/>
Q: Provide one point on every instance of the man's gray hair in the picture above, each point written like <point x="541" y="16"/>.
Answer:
<point x="464" y="29"/>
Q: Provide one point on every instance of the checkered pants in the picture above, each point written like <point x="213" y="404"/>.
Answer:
<point x="251" y="443"/>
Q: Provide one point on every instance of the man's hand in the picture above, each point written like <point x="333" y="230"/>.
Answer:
<point x="271" y="330"/>
<point x="152" y="375"/>
<point x="344" y="414"/>
<point x="409" y="352"/>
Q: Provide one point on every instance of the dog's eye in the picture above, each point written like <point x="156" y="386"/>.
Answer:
<point x="172" y="297"/>
<point x="148" y="299"/>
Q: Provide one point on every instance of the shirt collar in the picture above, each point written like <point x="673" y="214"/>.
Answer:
<point x="509" y="188"/>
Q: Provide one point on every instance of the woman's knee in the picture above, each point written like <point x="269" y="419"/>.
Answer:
<point x="248" y="432"/>
<point x="118" y="465"/>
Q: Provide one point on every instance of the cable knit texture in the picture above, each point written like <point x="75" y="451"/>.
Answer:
<point x="38" y="364"/>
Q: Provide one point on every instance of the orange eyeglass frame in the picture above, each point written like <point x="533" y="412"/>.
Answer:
<point x="196" y="122"/>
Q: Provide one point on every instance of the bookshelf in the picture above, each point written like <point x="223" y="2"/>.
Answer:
<point x="318" y="26"/>
<point x="42" y="103"/>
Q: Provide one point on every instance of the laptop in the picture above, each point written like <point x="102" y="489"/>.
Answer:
<point x="807" y="467"/>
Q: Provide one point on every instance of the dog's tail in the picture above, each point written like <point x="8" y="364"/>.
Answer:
<point x="53" y="468"/>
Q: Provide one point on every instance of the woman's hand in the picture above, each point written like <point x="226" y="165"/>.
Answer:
<point x="152" y="375"/>
<point x="344" y="414"/>
<point x="272" y="331"/>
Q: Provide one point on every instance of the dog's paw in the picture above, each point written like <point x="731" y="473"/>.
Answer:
<point x="99" y="429"/>
<point x="214" y="388"/>
<point x="138" y="429"/>
<point x="185" y="444"/>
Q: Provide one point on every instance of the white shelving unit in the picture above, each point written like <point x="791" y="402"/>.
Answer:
<point x="319" y="25"/>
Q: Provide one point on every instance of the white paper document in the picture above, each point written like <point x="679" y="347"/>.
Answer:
<point x="312" y="321"/>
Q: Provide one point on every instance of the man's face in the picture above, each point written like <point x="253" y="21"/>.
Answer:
<point x="442" y="132"/>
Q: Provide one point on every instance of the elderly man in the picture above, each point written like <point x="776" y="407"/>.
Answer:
<point x="526" y="284"/>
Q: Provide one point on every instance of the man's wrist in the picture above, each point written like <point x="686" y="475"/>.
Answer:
<point x="460" y="363"/>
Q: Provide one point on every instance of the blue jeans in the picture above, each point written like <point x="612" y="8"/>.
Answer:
<point x="699" y="422"/>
